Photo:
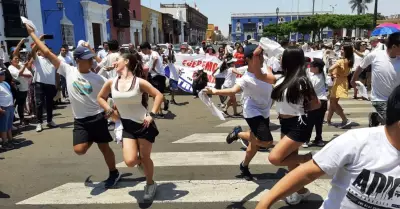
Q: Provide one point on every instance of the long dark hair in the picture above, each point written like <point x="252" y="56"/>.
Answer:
<point x="296" y="82"/>
<point x="349" y="54"/>
<point x="135" y="65"/>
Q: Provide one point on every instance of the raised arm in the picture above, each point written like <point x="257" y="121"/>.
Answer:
<point x="46" y="51"/>
<point x="269" y="76"/>
<point x="97" y="58"/>
<point x="292" y="182"/>
<point x="18" y="48"/>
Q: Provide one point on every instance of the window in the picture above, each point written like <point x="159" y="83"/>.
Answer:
<point x="259" y="20"/>
<point x="68" y="34"/>
<point x="270" y="19"/>
<point x="237" y="20"/>
<point x="134" y="14"/>
<point x="249" y="20"/>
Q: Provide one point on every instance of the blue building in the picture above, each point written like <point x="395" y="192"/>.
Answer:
<point x="247" y="26"/>
<point x="73" y="20"/>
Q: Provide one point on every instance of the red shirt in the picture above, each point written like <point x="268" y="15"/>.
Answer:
<point x="240" y="59"/>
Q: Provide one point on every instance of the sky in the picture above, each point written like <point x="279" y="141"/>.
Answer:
<point x="219" y="11"/>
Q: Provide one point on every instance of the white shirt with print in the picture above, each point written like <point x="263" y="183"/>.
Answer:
<point x="108" y="61"/>
<point x="159" y="69"/>
<point x="83" y="89"/>
<point x="365" y="168"/>
<point x="23" y="81"/>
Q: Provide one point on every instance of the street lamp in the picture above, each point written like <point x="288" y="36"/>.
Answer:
<point x="47" y="12"/>
<point x="375" y="13"/>
<point x="277" y="16"/>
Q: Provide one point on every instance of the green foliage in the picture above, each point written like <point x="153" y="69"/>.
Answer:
<point x="318" y="22"/>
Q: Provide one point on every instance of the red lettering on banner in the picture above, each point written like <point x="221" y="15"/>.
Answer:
<point x="207" y="67"/>
<point x="193" y="64"/>
<point x="214" y="67"/>
<point x="199" y="63"/>
<point x="184" y="62"/>
<point x="211" y="79"/>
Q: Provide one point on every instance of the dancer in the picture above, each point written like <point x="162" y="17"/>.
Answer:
<point x="129" y="92"/>
<point x="83" y="85"/>
<point x="256" y="108"/>
<point x="385" y="69"/>
<point x="294" y="96"/>
<point x="339" y="71"/>
<point x="317" y="78"/>
<point x="357" y="160"/>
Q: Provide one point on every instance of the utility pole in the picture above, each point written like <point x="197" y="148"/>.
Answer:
<point x="298" y="9"/>
<point x="375" y="13"/>
<point x="313" y="11"/>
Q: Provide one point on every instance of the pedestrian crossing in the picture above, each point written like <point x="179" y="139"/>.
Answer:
<point x="203" y="176"/>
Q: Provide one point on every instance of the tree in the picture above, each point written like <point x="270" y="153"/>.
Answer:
<point x="359" y="5"/>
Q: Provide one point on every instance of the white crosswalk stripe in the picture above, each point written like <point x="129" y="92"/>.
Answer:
<point x="225" y="189"/>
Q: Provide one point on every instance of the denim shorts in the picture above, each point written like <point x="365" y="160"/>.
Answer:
<point x="6" y="119"/>
<point x="173" y="85"/>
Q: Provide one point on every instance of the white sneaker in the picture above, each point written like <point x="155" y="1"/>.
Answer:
<point x="39" y="128"/>
<point x="296" y="198"/>
<point x="52" y="124"/>
<point x="305" y="145"/>
<point x="14" y="128"/>
<point x="149" y="192"/>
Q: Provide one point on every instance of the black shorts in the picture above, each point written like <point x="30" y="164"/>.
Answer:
<point x="260" y="128"/>
<point x="134" y="130"/>
<point x="296" y="130"/>
<point x="158" y="82"/>
<point x="91" y="129"/>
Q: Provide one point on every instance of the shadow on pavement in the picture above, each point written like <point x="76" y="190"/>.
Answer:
<point x="265" y="182"/>
<point x="24" y="143"/>
<point x="66" y="125"/>
<point x="99" y="187"/>
<point x="4" y="195"/>
<point x="165" y="192"/>
<point x="181" y="104"/>
<point x="169" y="115"/>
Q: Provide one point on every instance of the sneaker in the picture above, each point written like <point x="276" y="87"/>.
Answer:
<point x="149" y="192"/>
<point x="244" y="143"/>
<point x="166" y="105"/>
<point x="373" y="119"/>
<point x="345" y="124"/>
<point x="8" y="146"/>
<point x="16" y="141"/>
<point x="222" y="105"/>
<point x="246" y="172"/>
<point x="233" y="136"/>
<point x="296" y="198"/>
<point x="112" y="180"/>
<point x="14" y="128"/>
<point x="39" y="128"/>
<point x="51" y="124"/>
<point x="318" y="143"/>
<point x="305" y="145"/>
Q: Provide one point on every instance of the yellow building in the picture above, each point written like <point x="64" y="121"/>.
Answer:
<point x="152" y="26"/>
<point x="210" y="35"/>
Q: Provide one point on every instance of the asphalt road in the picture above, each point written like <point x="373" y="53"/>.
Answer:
<point x="194" y="167"/>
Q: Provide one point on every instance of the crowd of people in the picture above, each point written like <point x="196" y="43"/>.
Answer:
<point x="115" y="84"/>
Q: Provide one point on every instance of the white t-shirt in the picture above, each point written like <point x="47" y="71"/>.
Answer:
<point x="82" y="90"/>
<point x="286" y="108"/>
<point x="319" y="84"/>
<point x="102" y="53"/>
<point x="145" y="59"/>
<point x="379" y="46"/>
<point x="108" y="61"/>
<point x="230" y="78"/>
<point x="385" y="74"/>
<point x="44" y="71"/>
<point x="6" y="98"/>
<point x="159" y="69"/>
<point x="66" y="59"/>
<point x="23" y="81"/>
<point x="256" y="96"/>
<point x="365" y="168"/>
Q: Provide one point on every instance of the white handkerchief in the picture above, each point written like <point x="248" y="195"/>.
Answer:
<point x="30" y="23"/>
<point x="210" y="105"/>
<point x="118" y="131"/>
<point x="272" y="48"/>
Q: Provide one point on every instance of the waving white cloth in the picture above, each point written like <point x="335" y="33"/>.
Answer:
<point x="30" y="23"/>
<point x="272" y="48"/>
<point x="362" y="90"/>
<point x="210" y="105"/>
<point x="118" y="131"/>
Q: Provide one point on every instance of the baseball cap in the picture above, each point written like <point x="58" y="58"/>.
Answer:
<point x="249" y="50"/>
<point x="82" y="52"/>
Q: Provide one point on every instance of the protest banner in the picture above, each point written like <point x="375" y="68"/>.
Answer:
<point x="186" y="65"/>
